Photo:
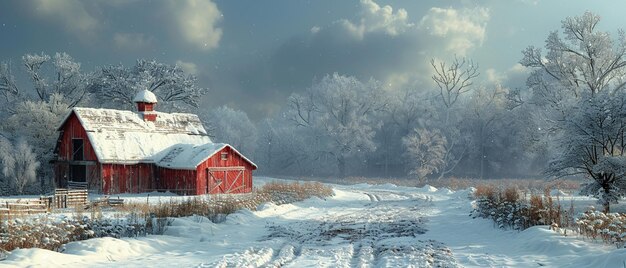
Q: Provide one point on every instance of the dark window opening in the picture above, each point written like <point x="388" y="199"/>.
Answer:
<point x="77" y="149"/>
<point x="78" y="173"/>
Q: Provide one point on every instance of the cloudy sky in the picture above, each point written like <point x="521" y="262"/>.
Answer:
<point x="253" y="54"/>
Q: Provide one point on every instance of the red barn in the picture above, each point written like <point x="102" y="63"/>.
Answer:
<point x="114" y="151"/>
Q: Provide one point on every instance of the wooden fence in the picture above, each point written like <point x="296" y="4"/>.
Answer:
<point x="23" y="208"/>
<point x="64" y="198"/>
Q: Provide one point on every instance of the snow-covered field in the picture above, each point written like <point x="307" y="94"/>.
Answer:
<point x="360" y="226"/>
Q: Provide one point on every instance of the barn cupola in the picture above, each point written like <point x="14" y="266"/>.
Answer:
<point x="145" y="104"/>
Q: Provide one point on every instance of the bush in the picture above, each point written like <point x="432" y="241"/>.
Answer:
<point x="508" y="210"/>
<point x="611" y="227"/>
<point x="48" y="233"/>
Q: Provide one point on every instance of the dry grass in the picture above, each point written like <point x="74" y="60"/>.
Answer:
<point x="138" y="219"/>
<point x="611" y="227"/>
<point x="452" y="183"/>
<point x="485" y="192"/>
<point x="48" y="235"/>
<point x="281" y="193"/>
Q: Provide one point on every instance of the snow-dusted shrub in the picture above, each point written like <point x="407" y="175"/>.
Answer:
<point x="503" y="207"/>
<point x="38" y="232"/>
<point x="509" y="210"/>
<point x="52" y="233"/>
<point x="610" y="227"/>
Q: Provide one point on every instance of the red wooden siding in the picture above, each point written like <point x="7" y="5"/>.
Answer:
<point x="233" y="175"/>
<point x="232" y="181"/>
<point x="74" y="130"/>
<point x="135" y="178"/>
<point x="144" y="106"/>
<point x="178" y="181"/>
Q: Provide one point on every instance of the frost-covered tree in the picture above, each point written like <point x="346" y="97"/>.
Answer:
<point x="232" y="127"/>
<point x="36" y="122"/>
<point x="593" y="143"/>
<point x="453" y="81"/>
<point x="8" y="84"/>
<point x="33" y="114"/>
<point x="59" y="74"/>
<point x="578" y="88"/>
<point x="6" y="149"/>
<point x="485" y="109"/>
<point x="65" y="78"/>
<point x="19" y="164"/>
<point x="339" y="111"/>
<point x="267" y="143"/>
<point x="425" y="150"/>
<point x="585" y="60"/>
<point x="295" y="151"/>
<point x="117" y="85"/>
<point x="408" y="109"/>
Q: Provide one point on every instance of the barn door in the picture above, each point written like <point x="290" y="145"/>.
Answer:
<point x="226" y="180"/>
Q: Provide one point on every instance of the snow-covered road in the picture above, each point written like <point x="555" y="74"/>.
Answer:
<point x="361" y="226"/>
<point x="356" y="228"/>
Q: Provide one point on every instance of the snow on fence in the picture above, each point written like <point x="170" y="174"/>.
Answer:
<point x="27" y="208"/>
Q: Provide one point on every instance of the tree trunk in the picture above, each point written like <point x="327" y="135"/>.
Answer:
<point x="341" y="164"/>
<point x="606" y="205"/>
<point x="482" y="152"/>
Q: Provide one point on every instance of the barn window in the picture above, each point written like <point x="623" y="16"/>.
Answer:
<point x="77" y="149"/>
<point x="224" y="156"/>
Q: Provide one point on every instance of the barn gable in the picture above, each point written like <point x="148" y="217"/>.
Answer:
<point x="189" y="156"/>
<point x="123" y="137"/>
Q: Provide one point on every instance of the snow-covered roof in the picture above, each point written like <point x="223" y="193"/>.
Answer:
<point x="124" y="137"/>
<point x="188" y="156"/>
<point x="145" y="96"/>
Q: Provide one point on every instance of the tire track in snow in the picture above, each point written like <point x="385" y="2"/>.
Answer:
<point x="263" y="257"/>
<point x="287" y="254"/>
<point x="371" y="197"/>
<point x="363" y="256"/>
<point x="249" y="258"/>
<point x="380" y="234"/>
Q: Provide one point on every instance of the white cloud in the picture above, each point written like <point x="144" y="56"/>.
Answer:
<point x="197" y="22"/>
<point x="71" y="13"/>
<point x="132" y="40"/>
<point x="375" y="18"/>
<point x="465" y="28"/>
<point x="188" y="67"/>
<point x="513" y="77"/>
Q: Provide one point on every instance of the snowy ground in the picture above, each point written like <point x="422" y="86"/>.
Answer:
<point x="361" y="226"/>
